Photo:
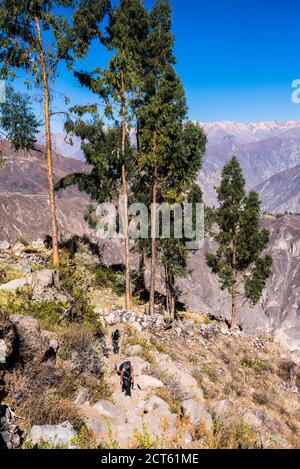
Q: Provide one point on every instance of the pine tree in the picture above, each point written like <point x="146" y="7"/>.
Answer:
<point x="239" y="259"/>
<point x="36" y="36"/>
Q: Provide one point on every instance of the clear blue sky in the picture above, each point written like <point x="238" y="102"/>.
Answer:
<point x="237" y="59"/>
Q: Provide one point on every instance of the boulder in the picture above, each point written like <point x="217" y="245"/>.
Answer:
<point x="97" y="427"/>
<point x="10" y="434"/>
<point x="33" y="345"/>
<point x="13" y="285"/>
<point x="154" y="403"/>
<point x="56" y="435"/>
<point x="110" y="319"/>
<point x="134" y="349"/>
<point x="18" y="248"/>
<point x="41" y="283"/>
<point x="148" y="382"/>
<point x="4" y="246"/>
<point x="196" y="413"/>
<point x="259" y="419"/>
<point x="7" y="338"/>
<point x="137" y="326"/>
<point x="82" y="396"/>
<point x="109" y="410"/>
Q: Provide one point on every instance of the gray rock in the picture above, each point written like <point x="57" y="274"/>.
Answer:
<point x="56" y="435"/>
<point x="197" y="414"/>
<point x="26" y="267"/>
<point x="4" y="246"/>
<point x="33" y="345"/>
<point x="13" y="285"/>
<point x="18" y="248"/>
<point x="137" y="326"/>
<point x="110" y="319"/>
<point x="97" y="427"/>
<point x="154" y="403"/>
<point x="82" y="396"/>
<point x="109" y="410"/>
<point x="134" y="349"/>
<point x="8" y="338"/>
<point x="148" y="382"/>
<point x="41" y="282"/>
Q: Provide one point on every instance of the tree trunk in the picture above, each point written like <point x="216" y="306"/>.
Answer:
<point x="128" y="294"/>
<point x="153" y="244"/>
<point x="48" y="148"/>
<point x="234" y="287"/>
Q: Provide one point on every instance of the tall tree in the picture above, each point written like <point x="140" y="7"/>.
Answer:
<point x="239" y="259"/>
<point x="118" y="85"/>
<point x="162" y="110"/>
<point x="36" y="36"/>
<point x="180" y="187"/>
<point x="18" y="123"/>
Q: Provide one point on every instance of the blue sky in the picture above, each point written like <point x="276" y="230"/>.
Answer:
<point x="237" y="60"/>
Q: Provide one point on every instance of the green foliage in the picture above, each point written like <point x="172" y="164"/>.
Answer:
<point x="18" y="121"/>
<point x="108" y="278"/>
<point x="144" y="440"/>
<point x="240" y="238"/>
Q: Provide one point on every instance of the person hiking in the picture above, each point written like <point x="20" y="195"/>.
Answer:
<point x="127" y="378"/>
<point x="115" y="338"/>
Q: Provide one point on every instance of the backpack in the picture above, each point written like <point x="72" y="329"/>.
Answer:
<point x="127" y="372"/>
<point x="115" y="335"/>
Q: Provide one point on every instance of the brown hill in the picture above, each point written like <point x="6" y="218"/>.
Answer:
<point x="24" y="207"/>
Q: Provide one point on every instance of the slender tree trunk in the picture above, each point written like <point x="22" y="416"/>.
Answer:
<point x="234" y="287"/>
<point x="128" y="294"/>
<point x="153" y="236"/>
<point x="48" y="147"/>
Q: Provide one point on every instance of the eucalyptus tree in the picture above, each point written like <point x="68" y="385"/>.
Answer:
<point x="36" y="36"/>
<point x="239" y="259"/>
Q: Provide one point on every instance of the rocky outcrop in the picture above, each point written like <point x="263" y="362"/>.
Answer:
<point x="10" y="434"/>
<point x="53" y="435"/>
<point x="7" y="338"/>
<point x="33" y="346"/>
<point x="196" y="413"/>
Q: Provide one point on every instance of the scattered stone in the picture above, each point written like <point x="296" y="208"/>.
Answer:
<point x="10" y="434"/>
<point x="13" y="285"/>
<point x="26" y="267"/>
<point x="8" y="338"/>
<point x="109" y="410"/>
<point x="197" y="414"/>
<point x="82" y="396"/>
<point x="56" y="435"/>
<point x="110" y="319"/>
<point x="145" y="382"/>
<point x="134" y="349"/>
<point x="18" y="248"/>
<point x="154" y="403"/>
<point x="4" y="246"/>
<point x="33" y="346"/>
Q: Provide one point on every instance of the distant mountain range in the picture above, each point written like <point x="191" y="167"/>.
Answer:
<point x="264" y="149"/>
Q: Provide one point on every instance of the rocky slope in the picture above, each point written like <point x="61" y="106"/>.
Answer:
<point x="281" y="193"/>
<point x="197" y="384"/>
<point x="263" y="148"/>
<point x="24" y="207"/>
<point x="279" y="308"/>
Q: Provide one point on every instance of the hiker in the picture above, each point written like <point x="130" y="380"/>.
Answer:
<point x="115" y="337"/>
<point x="127" y="378"/>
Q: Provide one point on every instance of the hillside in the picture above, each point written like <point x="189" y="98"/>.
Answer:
<point x="197" y="384"/>
<point x="24" y="208"/>
<point x="281" y="193"/>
